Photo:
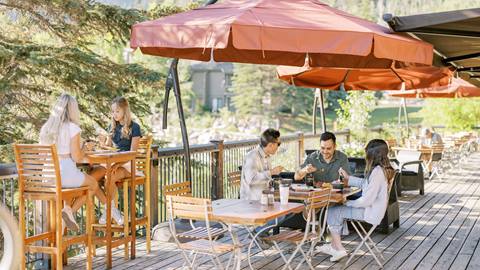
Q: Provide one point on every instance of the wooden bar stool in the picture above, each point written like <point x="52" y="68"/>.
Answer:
<point x="39" y="179"/>
<point x="142" y="169"/>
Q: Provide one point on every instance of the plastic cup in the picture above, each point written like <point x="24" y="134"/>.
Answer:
<point x="284" y="191"/>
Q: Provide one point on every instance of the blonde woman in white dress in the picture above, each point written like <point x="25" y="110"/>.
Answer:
<point x="63" y="129"/>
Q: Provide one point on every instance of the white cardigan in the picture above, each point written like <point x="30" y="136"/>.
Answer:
<point x="374" y="195"/>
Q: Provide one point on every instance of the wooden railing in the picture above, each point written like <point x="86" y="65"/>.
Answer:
<point x="212" y="162"/>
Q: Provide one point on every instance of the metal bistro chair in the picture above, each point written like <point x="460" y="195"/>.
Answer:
<point x="365" y="236"/>
<point x="39" y="180"/>
<point x="317" y="201"/>
<point x="196" y="232"/>
<point x="197" y="209"/>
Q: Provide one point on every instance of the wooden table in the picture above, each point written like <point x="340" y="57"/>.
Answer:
<point x="249" y="213"/>
<point x="108" y="159"/>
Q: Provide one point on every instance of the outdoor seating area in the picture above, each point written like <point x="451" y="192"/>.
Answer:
<point x="437" y="230"/>
<point x="241" y="178"/>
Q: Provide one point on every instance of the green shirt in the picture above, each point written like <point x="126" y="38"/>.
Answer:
<point x="327" y="172"/>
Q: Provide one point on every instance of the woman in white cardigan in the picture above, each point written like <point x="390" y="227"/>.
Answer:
<point x="370" y="207"/>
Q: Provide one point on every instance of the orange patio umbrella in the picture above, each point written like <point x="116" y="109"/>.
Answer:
<point x="458" y="88"/>
<point x="279" y="32"/>
<point x="408" y="77"/>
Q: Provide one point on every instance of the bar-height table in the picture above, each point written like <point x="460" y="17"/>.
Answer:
<point x="108" y="159"/>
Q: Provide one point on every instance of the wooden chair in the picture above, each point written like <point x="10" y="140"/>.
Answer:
<point x="39" y="179"/>
<point x="197" y="232"/>
<point x="142" y="171"/>
<point x="318" y="201"/>
<point x="234" y="180"/>
<point x="187" y="207"/>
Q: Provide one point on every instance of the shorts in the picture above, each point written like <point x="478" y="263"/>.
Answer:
<point x="71" y="176"/>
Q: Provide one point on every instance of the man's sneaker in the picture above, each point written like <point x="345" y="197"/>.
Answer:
<point x="338" y="255"/>
<point x="68" y="218"/>
<point x="327" y="249"/>
<point x="117" y="216"/>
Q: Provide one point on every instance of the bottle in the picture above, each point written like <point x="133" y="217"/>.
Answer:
<point x="264" y="198"/>
<point x="309" y="180"/>
<point x="271" y="197"/>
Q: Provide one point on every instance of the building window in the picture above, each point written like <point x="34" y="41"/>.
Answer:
<point x="217" y="104"/>
<point x="228" y="82"/>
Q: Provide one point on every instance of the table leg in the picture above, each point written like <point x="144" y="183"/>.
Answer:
<point x="108" y="229"/>
<point x="133" y="215"/>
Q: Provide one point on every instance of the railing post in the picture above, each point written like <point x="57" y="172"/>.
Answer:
<point x="301" y="148"/>
<point x="348" y="135"/>
<point x="154" y="203"/>
<point x="216" y="165"/>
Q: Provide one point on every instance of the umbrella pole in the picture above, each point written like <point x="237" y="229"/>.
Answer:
<point x="181" y="116"/>
<point x="404" y="101"/>
<point x="315" y="107"/>
<point x="322" y="110"/>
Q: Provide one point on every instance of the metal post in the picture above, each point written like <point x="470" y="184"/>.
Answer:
<point x="404" y="101"/>
<point x="322" y="111"/>
<point x="181" y="116"/>
<point x="315" y="108"/>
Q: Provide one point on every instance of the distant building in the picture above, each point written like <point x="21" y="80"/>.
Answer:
<point x="212" y="84"/>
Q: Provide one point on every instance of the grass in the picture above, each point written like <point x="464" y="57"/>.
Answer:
<point x="289" y="124"/>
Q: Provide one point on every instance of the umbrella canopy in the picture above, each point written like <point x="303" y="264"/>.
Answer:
<point x="280" y="32"/>
<point x="365" y="79"/>
<point x="457" y="89"/>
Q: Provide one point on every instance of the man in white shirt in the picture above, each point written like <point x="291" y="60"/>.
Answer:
<point x="430" y="138"/>
<point x="256" y="170"/>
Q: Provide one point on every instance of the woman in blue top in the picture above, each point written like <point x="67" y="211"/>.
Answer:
<point x="125" y="136"/>
<point x="370" y="207"/>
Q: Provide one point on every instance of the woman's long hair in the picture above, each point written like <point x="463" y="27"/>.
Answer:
<point x="376" y="154"/>
<point x="64" y="111"/>
<point x="122" y="103"/>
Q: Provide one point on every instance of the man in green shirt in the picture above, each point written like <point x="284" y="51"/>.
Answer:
<point x="324" y="163"/>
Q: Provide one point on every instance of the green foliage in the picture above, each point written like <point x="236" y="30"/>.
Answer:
<point x="455" y="114"/>
<point x="354" y="113"/>
<point x="54" y="46"/>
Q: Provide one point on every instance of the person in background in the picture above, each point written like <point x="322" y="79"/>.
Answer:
<point x="256" y="170"/>
<point x="430" y="138"/>
<point x="63" y="129"/>
<point x="125" y="135"/>
<point x="370" y="207"/>
<point x="324" y="163"/>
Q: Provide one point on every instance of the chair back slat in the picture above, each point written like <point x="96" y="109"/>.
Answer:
<point x="179" y="189"/>
<point x="319" y="199"/>
<point x="142" y="160"/>
<point x="234" y="178"/>
<point x="189" y="207"/>
<point x="38" y="168"/>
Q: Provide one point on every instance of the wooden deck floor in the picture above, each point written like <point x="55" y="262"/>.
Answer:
<point x="440" y="230"/>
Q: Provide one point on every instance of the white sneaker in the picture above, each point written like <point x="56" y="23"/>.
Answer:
<point x="103" y="218"/>
<point x="68" y="218"/>
<point x="327" y="249"/>
<point x="117" y="216"/>
<point x="338" y="255"/>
